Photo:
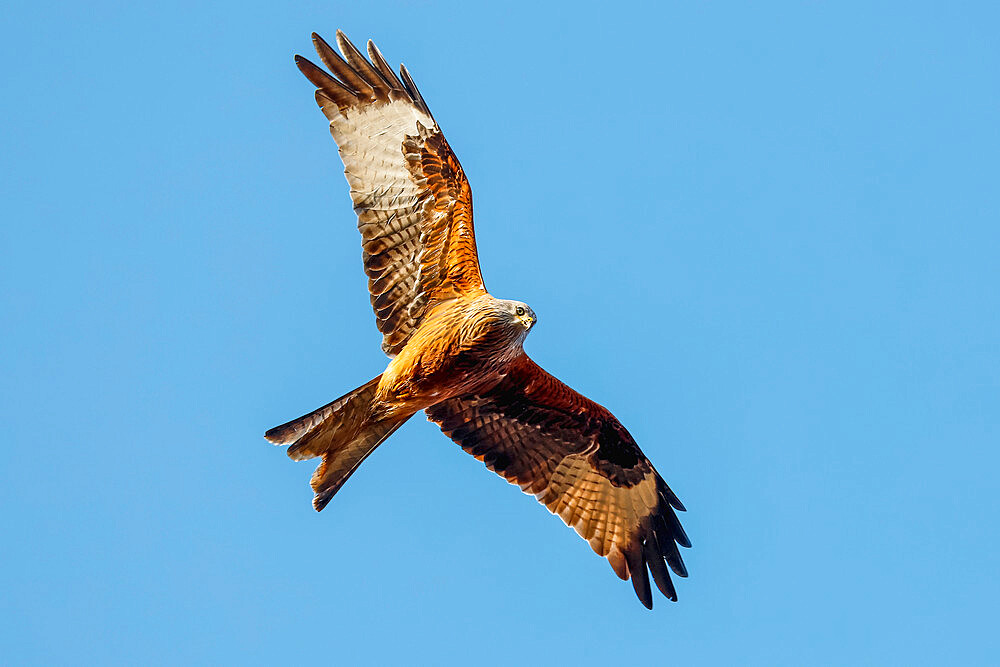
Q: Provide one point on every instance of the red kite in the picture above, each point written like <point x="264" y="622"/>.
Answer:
<point x="456" y="350"/>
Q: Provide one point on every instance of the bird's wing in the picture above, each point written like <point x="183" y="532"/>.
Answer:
<point x="581" y="463"/>
<point x="412" y="198"/>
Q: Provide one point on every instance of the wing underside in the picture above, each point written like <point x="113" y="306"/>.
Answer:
<point x="412" y="198"/>
<point x="581" y="463"/>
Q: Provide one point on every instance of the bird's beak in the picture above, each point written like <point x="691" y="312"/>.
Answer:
<point x="528" y="321"/>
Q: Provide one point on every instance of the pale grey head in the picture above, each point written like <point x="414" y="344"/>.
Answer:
<point x="519" y="313"/>
<point x="510" y="320"/>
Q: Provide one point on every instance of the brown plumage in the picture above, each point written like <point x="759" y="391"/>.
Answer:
<point x="457" y="352"/>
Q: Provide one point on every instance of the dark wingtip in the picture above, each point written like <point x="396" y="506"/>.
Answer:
<point x="677" y="565"/>
<point x="658" y="567"/>
<point x="669" y="496"/>
<point x="680" y="536"/>
<point x="635" y="557"/>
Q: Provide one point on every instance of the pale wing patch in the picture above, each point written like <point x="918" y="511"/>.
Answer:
<point x="389" y="204"/>
<point x="605" y="515"/>
<point x="371" y="144"/>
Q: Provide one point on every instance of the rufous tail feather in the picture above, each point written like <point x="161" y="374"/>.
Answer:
<point x="341" y="432"/>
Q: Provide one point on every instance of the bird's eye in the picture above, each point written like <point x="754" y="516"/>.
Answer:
<point x="520" y="310"/>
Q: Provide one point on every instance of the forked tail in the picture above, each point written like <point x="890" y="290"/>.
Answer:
<point x="339" y="432"/>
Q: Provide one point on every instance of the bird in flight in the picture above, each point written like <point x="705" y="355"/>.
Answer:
<point x="456" y="351"/>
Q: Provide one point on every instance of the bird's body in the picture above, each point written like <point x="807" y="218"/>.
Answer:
<point x="461" y="346"/>
<point x="456" y="351"/>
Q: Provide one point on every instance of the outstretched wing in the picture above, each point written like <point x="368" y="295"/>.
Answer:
<point x="581" y="463"/>
<point x="413" y="201"/>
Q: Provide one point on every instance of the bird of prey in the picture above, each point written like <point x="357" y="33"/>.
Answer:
<point x="456" y="351"/>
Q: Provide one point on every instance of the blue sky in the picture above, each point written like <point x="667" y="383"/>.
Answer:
<point x="765" y="235"/>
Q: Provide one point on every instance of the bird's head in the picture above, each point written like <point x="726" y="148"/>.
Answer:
<point x="520" y="314"/>
<point x="506" y="323"/>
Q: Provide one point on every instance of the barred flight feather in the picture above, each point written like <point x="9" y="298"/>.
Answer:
<point x="412" y="198"/>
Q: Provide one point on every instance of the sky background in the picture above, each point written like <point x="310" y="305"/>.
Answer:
<point x="765" y="235"/>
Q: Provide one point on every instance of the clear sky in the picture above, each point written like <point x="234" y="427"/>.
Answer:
<point x="764" y="234"/>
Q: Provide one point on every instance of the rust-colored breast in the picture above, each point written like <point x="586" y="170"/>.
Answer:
<point x="454" y="351"/>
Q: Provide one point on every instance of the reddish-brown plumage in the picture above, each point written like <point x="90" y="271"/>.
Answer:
<point x="458" y="347"/>
<point x="457" y="351"/>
